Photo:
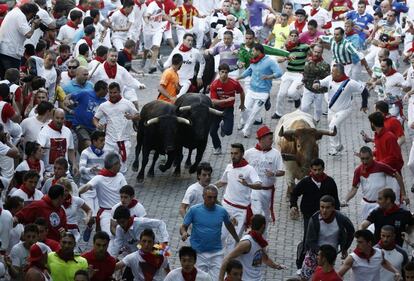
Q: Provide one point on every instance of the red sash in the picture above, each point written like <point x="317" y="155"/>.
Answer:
<point x="249" y="212"/>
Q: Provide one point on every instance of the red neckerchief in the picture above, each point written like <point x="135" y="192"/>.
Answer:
<point x="225" y="14"/>
<point x="259" y="147"/>
<point x="151" y="265"/>
<point x="65" y="258"/>
<point x="329" y="219"/>
<point x="300" y="25"/>
<point x="60" y="61"/>
<point x="290" y="45"/>
<point x="392" y="210"/>
<point x="362" y="255"/>
<point x="350" y="33"/>
<point x="342" y="78"/>
<point x="67" y="202"/>
<point x="315" y="59"/>
<point x="100" y="59"/>
<point x="115" y="100"/>
<point x="55" y="180"/>
<point x="53" y="126"/>
<point x="110" y="70"/>
<point x="30" y="193"/>
<point x="313" y="11"/>
<point x="184" y="48"/>
<point x="107" y="173"/>
<point x="389" y="248"/>
<point x="138" y="3"/>
<point x="122" y="10"/>
<point x="88" y="41"/>
<point x="82" y="8"/>
<point x="189" y="276"/>
<point x="366" y="168"/>
<point x="127" y="54"/>
<point x="318" y="178"/>
<point x="257" y="59"/>
<point x="241" y="163"/>
<point x="33" y="164"/>
<point x="392" y="71"/>
<point x="71" y="24"/>
<point x="132" y="204"/>
<point x="258" y="237"/>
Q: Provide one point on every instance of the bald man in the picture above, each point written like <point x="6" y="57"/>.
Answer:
<point x="57" y="141"/>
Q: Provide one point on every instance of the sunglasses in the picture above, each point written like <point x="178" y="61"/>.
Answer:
<point x="72" y="67"/>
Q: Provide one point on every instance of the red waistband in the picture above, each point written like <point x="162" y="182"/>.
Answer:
<point x="368" y="201"/>
<point x="236" y="205"/>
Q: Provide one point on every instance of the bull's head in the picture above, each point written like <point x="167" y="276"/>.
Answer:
<point x="306" y="147"/>
<point x="199" y="115"/>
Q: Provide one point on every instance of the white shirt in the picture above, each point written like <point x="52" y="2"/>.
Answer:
<point x="48" y="183"/>
<point x="206" y="7"/>
<point x="238" y="37"/>
<point x="116" y="123"/>
<point x="137" y="211"/>
<point x="46" y="19"/>
<point x="88" y="159"/>
<point x="19" y="254"/>
<point x="128" y="240"/>
<point x="322" y="17"/>
<point x="74" y="209"/>
<point x="121" y="21"/>
<point x="362" y="270"/>
<point x="344" y="101"/>
<point x="193" y="195"/>
<point x="236" y="192"/>
<point x="328" y="233"/>
<point x="36" y="196"/>
<point x="397" y="258"/>
<point x="176" y="275"/>
<point x="76" y="48"/>
<point x="190" y="59"/>
<point x="66" y="34"/>
<point x="107" y="189"/>
<point x="6" y="225"/>
<point x="392" y="85"/>
<point x="31" y="128"/>
<point x="23" y="166"/>
<point x="252" y="261"/>
<point x="12" y="34"/>
<point x="155" y="23"/>
<point x="133" y="260"/>
<point x="15" y="236"/>
<point x="55" y="144"/>
<point x="409" y="82"/>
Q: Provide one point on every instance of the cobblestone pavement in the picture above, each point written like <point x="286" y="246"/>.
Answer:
<point x="162" y="194"/>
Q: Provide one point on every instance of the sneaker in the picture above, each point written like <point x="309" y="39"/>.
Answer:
<point x="276" y="116"/>
<point x="297" y="103"/>
<point x="87" y="233"/>
<point x="340" y="148"/>
<point x="333" y="152"/>
<point x="240" y="127"/>
<point x="258" y="122"/>
<point x="217" y="151"/>
<point x="268" y="105"/>
<point x="152" y="69"/>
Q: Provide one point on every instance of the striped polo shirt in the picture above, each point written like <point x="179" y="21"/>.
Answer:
<point x="342" y="51"/>
<point x="300" y="53"/>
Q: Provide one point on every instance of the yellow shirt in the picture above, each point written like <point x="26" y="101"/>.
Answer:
<point x="281" y="34"/>
<point x="65" y="271"/>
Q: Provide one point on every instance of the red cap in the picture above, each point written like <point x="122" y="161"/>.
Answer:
<point x="37" y="251"/>
<point x="263" y="131"/>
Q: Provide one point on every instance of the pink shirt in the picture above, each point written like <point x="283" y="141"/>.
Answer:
<point x="307" y="38"/>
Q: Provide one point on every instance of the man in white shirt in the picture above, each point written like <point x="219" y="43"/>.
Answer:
<point x="121" y="22"/>
<point x="190" y="57"/>
<point x="138" y="13"/>
<point x="238" y="37"/>
<point x="268" y="164"/>
<point x="18" y="25"/>
<point x="409" y="87"/>
<point x="45" y="19"/>
<point x="8" y="152"/>
<point x="6" y="222"/>
<point x="339" y="99"/>
<point x="194" y="193"/>
<point x="107" y="185"/>
<point x="31" y="126"/>
<point x="69" y="30"/>
<point x="319" y="14"/>
<point x="57" y="141"/>
<point x="241" y="179"/>
<point x="118" y="113"/>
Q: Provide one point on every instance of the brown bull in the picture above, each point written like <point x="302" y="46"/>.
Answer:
<point x="298" y="145"/>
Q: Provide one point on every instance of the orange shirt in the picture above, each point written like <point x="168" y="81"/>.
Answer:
<point x="170" y="82"/>
<point x="184" y="16"/>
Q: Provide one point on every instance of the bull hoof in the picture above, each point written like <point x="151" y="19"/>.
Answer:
<point x="162" y="168"/>
<point x="135" y="166"/>
<point x="192" y="169"/>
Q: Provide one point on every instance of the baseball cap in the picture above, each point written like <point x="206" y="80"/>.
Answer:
<point x="37" y="250"/>
<point x="263" y="131"/>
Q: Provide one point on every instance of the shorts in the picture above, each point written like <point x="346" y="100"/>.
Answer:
<point x="83" y="133"/>
<point x="151" y="40"/>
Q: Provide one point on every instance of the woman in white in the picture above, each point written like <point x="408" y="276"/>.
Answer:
<point x="71" y="206"/>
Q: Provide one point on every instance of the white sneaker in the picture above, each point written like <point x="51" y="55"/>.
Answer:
<point x="217" y="151"/>
<point x="240" y="126"/>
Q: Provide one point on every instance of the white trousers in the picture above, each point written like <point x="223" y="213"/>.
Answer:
<point x="310" y="98"/>
<point x="210" y="263"/>
<point x="6" y="167"/>
<point x="410" y="163"/>
<point x="367" y="208"/>
<point x="115" y="148"/>
<point x="261" y="205"/>
<point x="185" y="85"/>
<point x="105" y="221"/>
<point x="91" y="200"/>
<point x="239" y="215"/>
<point x="288" y="87"/>
<point x="336" y="119"/>
<point x="118" y="43"/>
<point x="254" y="102"/>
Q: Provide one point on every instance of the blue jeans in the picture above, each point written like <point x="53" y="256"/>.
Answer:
<point x="226" y="127"/>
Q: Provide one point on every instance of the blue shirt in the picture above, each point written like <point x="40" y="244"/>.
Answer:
<point x="360" y="20"/>
<point x="88" y="103"/>
<point x="207" y="223"/>
<point x="73" y="87"/>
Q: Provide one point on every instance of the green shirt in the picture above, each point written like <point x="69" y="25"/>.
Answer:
<point x="300" y="53"/>
<point x="65" y="271"/>
<point x="245" y="54"/>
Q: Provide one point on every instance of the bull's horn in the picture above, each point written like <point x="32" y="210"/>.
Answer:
<point x="183" y="120"/>
<point x="328" y="133"/>
<point x="281" y="132"/>
<point x="152" y="121"/>
<point x="184" y="108"/>
<point x="215" y="111"/>
<point x="288" y="157"/>
<point x="286" y="134"/>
